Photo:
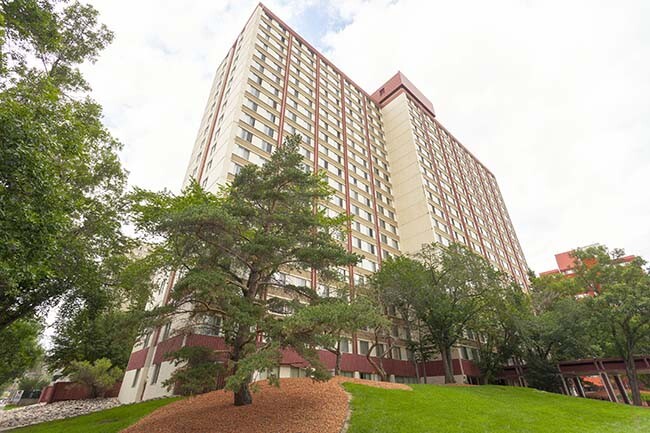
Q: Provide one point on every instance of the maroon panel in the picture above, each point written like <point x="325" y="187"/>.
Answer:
<point x="210" y="341"/>
<point x="137" y="359"/>
<point x="350" y="362"/>
<point x="46" y="394"/>
<point x="61" y="391"/>
<point x="70" y="391"/>
<point x="619" y="364"/>
<point x="397" y="82"/>
<point x="470" y="369"/>
<point x="167" y="346"/>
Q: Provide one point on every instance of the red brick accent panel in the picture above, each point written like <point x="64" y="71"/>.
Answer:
<point x="349" y="361"/>
<point x="167" y="346"/>
<point x="137" y="359"/>
<point x="61" y="391"/>
<point x="352" y="362"/>
<point x="210" y="341"/>
<point x="46" y="394"/>
<point x="469" y="368"/>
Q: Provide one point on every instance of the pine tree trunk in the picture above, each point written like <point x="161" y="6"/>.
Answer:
<point x="243" y="396"/>
<point x="337" y="366"/>
<point x="633" y="379"/>
<point x="377" y="367"/>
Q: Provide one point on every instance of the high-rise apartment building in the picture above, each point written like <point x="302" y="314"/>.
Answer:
<point x="401" y="175"/>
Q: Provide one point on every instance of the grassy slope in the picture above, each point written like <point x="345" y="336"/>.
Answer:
<point x="493" y="409"/>
<point x="105" y="421"/>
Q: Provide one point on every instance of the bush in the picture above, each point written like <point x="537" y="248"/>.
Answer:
<point x="543" y="375"/>
<point x="200" y="373"/>
<point x="99" y="377"/>
<point x="32" y="386"/>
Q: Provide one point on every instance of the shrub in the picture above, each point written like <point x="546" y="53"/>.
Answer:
<point x="99" y="377"/>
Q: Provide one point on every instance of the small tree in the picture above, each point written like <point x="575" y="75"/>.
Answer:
<point x="397" y="285"/>
<point x="232" y="247"/>
<point x="200" y="372"/>
<point x="99" y="376"/>
<point x="553" y="328"/>
<point x="499" y="337"/>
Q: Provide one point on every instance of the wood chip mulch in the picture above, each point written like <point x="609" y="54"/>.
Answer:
<point x="298" y="406"/>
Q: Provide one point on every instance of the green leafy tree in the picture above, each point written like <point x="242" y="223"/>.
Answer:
<point x="100" y="376"/>
<point x="554" y="329"/>
<point x="19" y="349"/>
<point x="199" y="373"/>
<point x="621" y="305"/>
<point x="89" y="335"/>
<point x="104" y="321"/>
<point x="231" y="247"/>
<point x="61" y="182"/>
<point x="499" y="337"/>
<point x="447" y="288"/>
<point x="398" y="284"/>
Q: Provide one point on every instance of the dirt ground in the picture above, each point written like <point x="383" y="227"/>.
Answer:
<point x="299" y="406"/>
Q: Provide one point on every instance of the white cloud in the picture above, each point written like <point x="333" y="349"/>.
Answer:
<point x="551" y="96"/>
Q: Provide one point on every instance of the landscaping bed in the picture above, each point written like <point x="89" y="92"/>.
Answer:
<point x="298" y="406"/>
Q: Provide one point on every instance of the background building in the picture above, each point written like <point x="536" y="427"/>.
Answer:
<point x="566" y="264"/>
<point x="402" y="176"/>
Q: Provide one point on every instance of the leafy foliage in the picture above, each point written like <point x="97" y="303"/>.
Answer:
<point x="19" y="349"/>
<point x="554" y="328"/>
<point x="500" y="333"/>
<point x="61" y="182"/>
<point x="99" y="376"/>
<point x="29" y="384"/>
<point x="446" y="288"/>
<point x="620" y="308"/>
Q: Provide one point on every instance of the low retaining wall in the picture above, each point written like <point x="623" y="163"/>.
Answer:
<point x="61" y="391"/>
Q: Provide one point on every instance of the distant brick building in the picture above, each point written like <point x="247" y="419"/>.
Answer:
<point x="566" y="264"/>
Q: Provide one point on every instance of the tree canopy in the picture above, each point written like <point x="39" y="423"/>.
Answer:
<point x="61" y="181"/>
<point x="446" y="287"/>
<point x="620" y="308"/>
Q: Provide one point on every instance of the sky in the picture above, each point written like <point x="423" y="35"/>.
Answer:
<point x="552" y="96"/>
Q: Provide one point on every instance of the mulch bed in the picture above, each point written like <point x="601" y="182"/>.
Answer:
<point x="298" y="406"/>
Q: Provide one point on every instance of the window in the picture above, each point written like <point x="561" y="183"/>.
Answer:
<point x="344" y="346"/>
<point x="397" y="353"/>
<point x="135" y="378"/>
<point x="147" y="336"/>
<point x="243" y="152"/>
<point x="166" y="331"/>
<point x="246" y="135"/>
<point x="268" y="147"/>
<point x="156" y="373"/>
<point x="209" y="325"/>
<point x="363" y="347"/>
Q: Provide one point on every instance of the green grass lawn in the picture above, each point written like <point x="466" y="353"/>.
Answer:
<point x="105" y="421"/>
<point x="487" y="409"/>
